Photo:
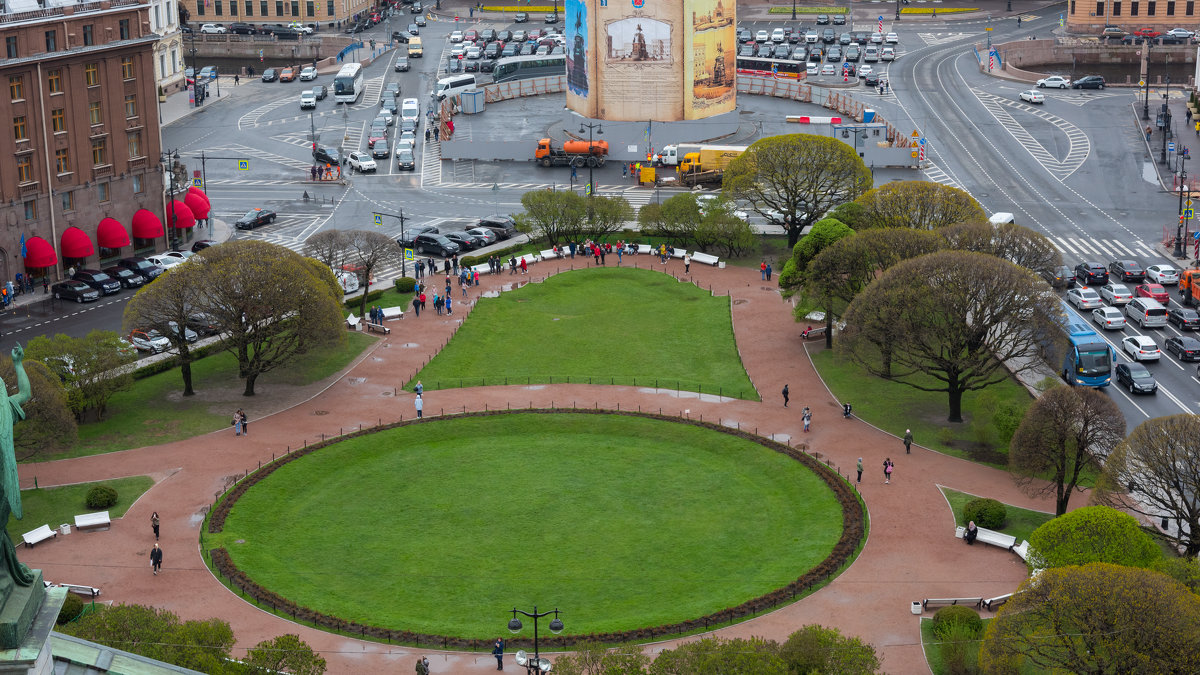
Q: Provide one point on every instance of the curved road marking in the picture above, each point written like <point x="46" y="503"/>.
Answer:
<point x="1080" y="145"/>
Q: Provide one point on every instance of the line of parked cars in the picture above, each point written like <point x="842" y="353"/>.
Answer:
<point x="427" y="239"/>
<point x="88" y="284"/>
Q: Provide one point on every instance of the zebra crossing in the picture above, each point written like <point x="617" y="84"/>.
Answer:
<point x="935" y="174"/>
<point x="256" y="154"/>
<point x="431" y="165"/>
<point x="934" y="39"/>
<point x="1102" y="249"/>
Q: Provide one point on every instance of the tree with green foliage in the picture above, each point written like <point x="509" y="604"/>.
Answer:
<point x="1098" y="618"/>
<point x="166" y="305"/>
<point x="722" y="231"/>
<point x="675" y="219"/>
<point x="49" y="424"/>
<point x="273" y="305"/>
<point x="159" y="634"/>
<point x="1092" y="534"/>
<point x="817" y="649"/>
<point x="591" y="658"/>
<point x="824" y="233"/>
<point x="714" y="656"/>
<point x="558" y="216"/>
<point x="849" y="213"/>
<point x="367" y="251"/>
<point x="1065" y="436"/>
<point x="90" y="368"/>
<point x="606" y="215"/>
<point x="920" y="205"/>
<point x="1017" y="244"/>
<point x="796" y="178"/>
<point x="284" y="654"/>
<point x="949" y="321"/>
<point x="1159" y="466"/>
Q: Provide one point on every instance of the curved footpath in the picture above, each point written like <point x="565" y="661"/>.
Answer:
<point x="910" y="553"/>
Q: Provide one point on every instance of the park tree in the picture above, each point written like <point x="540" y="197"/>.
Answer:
<point x="606" y="215"/>
<point x="557" y="216"/>
<point x="722" y="231"/>
<point x="202" y="645"/>
<point x="328" y="246"/>
<point x="1092" y="534"/>
<point x="795" y="178"/>
<point x="1064" y="436"/>
<point x="949" y="321"/>
<point x="1014" y="243"/>
<point x="920" y="205"/>
<point x="273" y="305"/>
<point x="823" y="234"/>
<point x="714" y="656"/>
<point x="90" y="368"/>
<point x="1098" y="618"/>
<point x="284" y="654"/>
<point x="367" y="251"/>
<point x="817" y="649"/>
<point x="592" y="658"/>
<point x="49" y="424"/>
<point x="675" y="219"/>
<point x="166" y="305"/>
<point x="1159" y="465"/>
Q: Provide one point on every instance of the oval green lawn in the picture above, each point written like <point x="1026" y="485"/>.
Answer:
<point x="621" y="522"/>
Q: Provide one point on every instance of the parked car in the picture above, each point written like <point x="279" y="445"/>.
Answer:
<point x="487" y="235"/>
<point x="212" y="28"/>
<point x="149" y="341"/>
<point x="1089" y="82"/>
<point x="73" y="289"/>
<point x="203" y="324"/>
<point x="254" y="218"/>
<point x="503" y="226"/>
<point x="124" y="276"/>
<point x="287" y="75"/>
<point x="164" y="261"/>
<point x="407" y="239"/>
<point x="1181" y="33"/>
<point x="1109" y="318"/>
<point x="1033" y="96"/>
<point x="362" y="162"/>
<point x="1162" y="274"/>
<point x="1112" y="31"/>
<point x="1147" y="33"/>
<point x="466" y="242"/>
<point x="308" y="74"/>
<point x="98" y="280"/>
<point x="203" y="244"/>
<point x="269" y="75"/>
<point x="188" y="334"/>
<point x="1136" y="378"/>
<point x="520" y="17"/>
<point x="434" y="243"/>
<point x="142" y="267"/>
<point x="1056" y="81"/>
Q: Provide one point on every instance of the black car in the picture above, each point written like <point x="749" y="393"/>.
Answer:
<point x="466" y="242"/>
<point x="862" y="37"/>
<point x="392" y="88"/>
<point x="520" y="17"/>
<point x="1088" y="273"/>
<point x="328" y="156"/>
<point x="454" y="66"/>
<point x="1136" y="378"/>
<point x="99" y="281"/>
<point x="416" y="8"/>
<point x="203" y="324"/>
<point x="380" y="149"/>
<point x="839" y="19"/>
<point x="1186" y="348"/>
<point x="822" y="19"/>
<point x="746" y="50"/>
<point x="320" y="91"/>
<point x="488" y="35"/>
<point x="744" y="35"/>
<point x="142" y="267"/>
<point x="203" y="244"/>
<point x="414" y="29"/>
<point x="471" y="67"/>
<point x="828" y="36"/>
<point x="504" y="36"/>
<point x="871" y="80"/>
<point x="124" y="276"/>
<point x="242" y="29"/>
<point x="407" y="239"/>
<point x="503" y="226"/>
<point x="1126" y="270"/>
<point x="270" y="75"/>
<point x="76" y="290"/>
<point x="405" y="160"/>
<point x="421" y="20"/>
<point x="1061" y="276"/>
<point x="434" y="243"/>
<point x="1184" y="318"/>
<point x="489" y="66"/>
<point x="1089" y="82"/>
<point x="492" y="50"/>
<point x="255" y="218"/>
<point x="765" y="51"/>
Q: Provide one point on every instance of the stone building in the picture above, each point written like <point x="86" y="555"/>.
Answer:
<point x="322" y="13"/>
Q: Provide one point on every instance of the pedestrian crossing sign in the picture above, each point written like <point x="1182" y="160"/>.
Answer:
<point x="197" y="182"/>
<point x="378" y="220"/>
<point x="408" y="254"/>
<point x="1187" y="214"/>
<point x="243" y="165"/>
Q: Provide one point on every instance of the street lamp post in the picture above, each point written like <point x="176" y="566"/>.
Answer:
<point x="537" y="663"/>
<point x="1146" y="79"/>
<point x="169" y="159"/>
<point x="401" y="217"/>
<point x="794" y="9"/>
<point x="195" y="71"/>
<point x="1166" y="122"/>
<point x="1179" y="254"/>
<point x="591" y="159"/>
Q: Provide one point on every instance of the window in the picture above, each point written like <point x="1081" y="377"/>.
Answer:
<point x="135" y="144"/>
<point x="1170" y="9"/>
<point x="174" y="61"/>
<point x="157" y="18"/>
<point x="200" y="8"/>
<point x="1133" y="8"/>
<point x="31" y="209"/>
<point x="62" y="160"/>
<point x="102" y="192"/>
<point x="58" y="120"/>
<point x="162" y="64"/>
<point x="51" y="40"/>
<point x="1150" y="8"/>
<point x="262" y="8"/>
<point x="10" y="46"/>
<point x="1116" y="9"/>
<point x="20" y="133"/>
<point x="124" y="25"/>
<point x="131" y="105"/>
<point x="295" y="7"/>
<point x="54" y="80"/>
<point x="310" y="8"/>
<point x="89" y="37"/>
<point x="127" y="67"/>
<point x="278" y="7"/>
<point x="249" y="7"/>
<point x="219" y="10"/>
<point x="68" y="200"/>
<point x="137" y="184"/>
<point x="329" y="8"/>
<point x="232" y="7"/>
<point x="16" y="87"/>
<point x="91" y="74"/>
<point x="94" y="114"/>
<point x="1190" y="8"/>
<point x="24" y="169"/>
<point x="99" y="152"/>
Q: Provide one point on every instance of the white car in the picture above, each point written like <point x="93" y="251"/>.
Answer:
<point x="474" y="53"/>
<point x="812" y="68"/>
<point x="308" y="99"/>
<point x="1141" y="348"/>
<point x="362" y="162"/>
<point x="164" y="261"/>
<point x="456" y="36"/>
<point x="761" y="36"/>
<point x="865" y="70"/>
<point x="1054" y="81"/>
<point x="1033" y="96"/>
<point x="1116" y="294"/>
<point x="811" y="37"/>
<point x="877" y="38"/>
<point x="386" y="117"/>
<point x="891" y="38"/>
<point x="410" y="109"/>
<point x="1162" y="274"/>
<point x="1181" y="33"/>
<point x="888" y="54"/>
<point x="778" y="37"/>
<point x="149" y="341"/>
<point x="457" y="51"/>
<point x="1084" y="298"/>
<point x="1110" y="318"/>
<point x="407" y="138"/>
<point x="212" y="28"/>
<point x="181" y="255"/>
<point x="308" y="74"/>
<point x="828" y="70"/>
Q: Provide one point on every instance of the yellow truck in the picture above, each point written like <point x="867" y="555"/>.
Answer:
<point x="706" y="165"/>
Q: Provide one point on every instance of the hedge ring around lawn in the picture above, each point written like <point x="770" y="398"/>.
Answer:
<point x="843" y="550"/>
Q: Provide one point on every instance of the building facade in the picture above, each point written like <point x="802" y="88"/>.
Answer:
<point x="1160" y="15"/>
<point x="168" y="53"/>
<point x="83" y="135"/>
<point x="324" y="14"/>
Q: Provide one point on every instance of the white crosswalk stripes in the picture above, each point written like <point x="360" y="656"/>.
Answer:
<point x="1103" y="249"/>
<point x="935" y="174"/>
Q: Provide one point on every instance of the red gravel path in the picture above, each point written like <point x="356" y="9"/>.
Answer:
<point x="910" y="554"/>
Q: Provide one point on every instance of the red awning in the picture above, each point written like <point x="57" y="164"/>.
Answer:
<point x="146" y="225"/>
<point x="75" y="243"/>
<point x="182" y="218"/>
<point x="111" y="234"/>
<point x="193" y="190"/>
<point x="39" y="253"/>
<point x="197" y="204"/>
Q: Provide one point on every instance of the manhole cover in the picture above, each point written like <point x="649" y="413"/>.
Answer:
<point x="385" y="393"/>
<point x="320" y="412"/>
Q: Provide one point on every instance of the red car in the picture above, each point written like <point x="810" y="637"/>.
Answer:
<point x="1147" y="33"/>
<point x="1155" y="291"/>
<point x="470" y="36"/>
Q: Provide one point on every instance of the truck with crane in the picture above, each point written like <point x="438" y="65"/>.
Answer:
<point x="571" y="153"/>
<point x="700" y="164"/>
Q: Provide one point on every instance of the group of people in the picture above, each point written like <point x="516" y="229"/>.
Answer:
<point x="375" y="314"/>
<point x="240" y="426"/>
<point x="764" y="269"/>
<point x="156" y="552"/>
<point x="328" y="172"/>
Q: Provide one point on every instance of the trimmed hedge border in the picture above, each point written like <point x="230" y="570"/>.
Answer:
<point x="853" y="532"/>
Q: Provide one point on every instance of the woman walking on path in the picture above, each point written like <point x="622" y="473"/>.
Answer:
<point x="806" y="416"/>
<point x="785" y="395"/>
<point x="237" y="424"/>
<point x="154" y="524"/>
<point x="859" y="468"/>
<point x="887" y="471"/>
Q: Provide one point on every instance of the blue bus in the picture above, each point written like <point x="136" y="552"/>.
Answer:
<point x="1087" y="360"/>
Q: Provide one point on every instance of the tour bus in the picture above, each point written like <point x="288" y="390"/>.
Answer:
<point x="348" y="83"/>
<point x="1087" y="360"/>
<point x="777" y="68"/>
<point x="524" y="67"/>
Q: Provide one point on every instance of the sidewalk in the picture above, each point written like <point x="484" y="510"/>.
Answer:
<point x="177" y="105"/>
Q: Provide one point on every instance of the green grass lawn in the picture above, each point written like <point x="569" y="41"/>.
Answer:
<point x="1021" y="522"/>
<point x="620" y="522"/>
<point x="895" y="407"/>
<point x="601" y="326"/>
<point x="151" y="412"/>
<point x="54" y="506"/>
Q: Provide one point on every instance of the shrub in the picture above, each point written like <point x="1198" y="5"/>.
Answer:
<point x="101" y="497"/>
<point x="960" y="647"/>
<point x="405" y="284"/>
<point x="1092" y="534"/>
<point x="71" y="608"/>
<point x="987" y="513"/>
<point x="354" y="303"/>
<point x="946" y="617"/>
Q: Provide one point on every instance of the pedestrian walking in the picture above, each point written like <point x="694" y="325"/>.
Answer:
<point x="427" y="132"/>
<point x="887" y="471"/>
<point x="768" y="271"/>
<point x="154" y="524"/>
<point x="574" y="175"/>
<point x="498" y="652"/>
<point x="422" y="666"/>
<point x="806" y="417"/>
<point x="435" y="134"/>
<point x="624" y="171"/>
<point x="419" y="403"/>
<point x="847" y="409"/>
<point x="156" y="558"/>
<point x="236" y="79"/>
<point x="416" y="303"/>
<point x="237" y="424"/>
<point x="242" y="416"/>
<point x="1188" y="113"/>
<point x="859" y="468"/>
<point x="908" y="441"/>
<point x="687" y="264"/>
<point x="449" y="300"/>
<point x="785" y="395"/>
<point x="762" y="270"/>
<point x="524" y="267"/>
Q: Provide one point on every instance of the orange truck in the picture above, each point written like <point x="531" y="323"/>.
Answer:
<point x="1189" y="294"/>
<point x="572" y="153"/>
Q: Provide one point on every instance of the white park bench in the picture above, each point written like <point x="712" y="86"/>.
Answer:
<point x="352" y="322"/>
<point x="645" y="249"/>
<point x="377" y="327"/>
<point x="482" y="269"/>
<point x="698" y="257"/>
<point x="992" y="604"/>
<point x="1022" y="550"/>
<point x="98" y="521"/>
<point x="678" y="253"/>
<point x="78" y="589"/>
<point x="34" y="537"/>
<point x="943" y="602"/>
<point x="548" y="254"/>
<point x="390" y="313"/>
<point x="990" y="537"/>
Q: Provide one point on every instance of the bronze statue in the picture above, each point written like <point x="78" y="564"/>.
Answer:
<point x="14" y="572"/>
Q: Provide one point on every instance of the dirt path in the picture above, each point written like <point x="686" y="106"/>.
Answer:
<point x="910" y="554"/>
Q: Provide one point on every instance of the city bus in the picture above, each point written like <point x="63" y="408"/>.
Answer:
<point x="778" y="68"/>
<point x="348" y="83"/>
<point x="1086" y="359"/>
<point x="524" y="67"/>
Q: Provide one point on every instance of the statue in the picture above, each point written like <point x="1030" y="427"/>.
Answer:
<point x="21" y="589"/>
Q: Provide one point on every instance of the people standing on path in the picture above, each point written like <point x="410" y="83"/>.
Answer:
<point x="422" y="666"/>
<point x="762" y="270"/>
<point x="419" y="403"/>
<point x="847" y="410"/>
<point x="154" y="524"/>
<point x="970" y="533"/>
<point x="449" y="300"/>
<point x="887" y="471"/>
<point x="420" y="388"/>
<point x="908" y="441"/>
<point x="768" y="271"/>
<point x="498" y="652"/>
<point x="237" y="424"/>
<point x="687" y="264"/>
<point x="859" y="468"/>
<point x="245" y="424"/>
<point x="785" y="395"/>
<point x="156" y="558"/>
<point x="806" y="416"/>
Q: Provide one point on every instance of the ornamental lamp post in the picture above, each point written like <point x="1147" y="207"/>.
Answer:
<point x="537" y="663"/>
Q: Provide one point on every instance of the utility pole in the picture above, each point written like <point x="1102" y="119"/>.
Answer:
<point x="379" y="221"/>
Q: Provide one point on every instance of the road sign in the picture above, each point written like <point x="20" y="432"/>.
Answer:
<point x="196" y="182"/>
<point x="378" y="219"/>
<point x="1141" y="83"/>
<point x="243" y="165"/>
<point x="1188" y="203"/>
<point x="915" y="134"/>
<point x="588" y="189"/>
<point x="408" y="254"/>
<point x="1188" y="213"/>
<point x="989" y="28"/>
<point x="1196" y="236"/>
<point x="1171" y="146"/>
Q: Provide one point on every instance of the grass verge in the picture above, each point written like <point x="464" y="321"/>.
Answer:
<point x="56" y="505"/>
<point x="1021" y="522"/>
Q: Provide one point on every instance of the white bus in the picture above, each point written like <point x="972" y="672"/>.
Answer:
<point x="524" y="67"/>
<point x="348" y="83"/>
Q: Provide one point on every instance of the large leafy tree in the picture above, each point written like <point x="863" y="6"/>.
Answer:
<point x="202" y="645"/>
<point x="367" y="251"/>
<point x="557" y="216"/>
<point x="606" y="215"/>
<point x="165" y="306"/>
<point x="273" y="305"/>
<point x="90" y="368"/>
<point x="949" y="321"/>
<point x="1159" y="465"/>
<point x="823" y="234"/>
<point x="1098" y="618"/>
<point x="284" y="654"/>
<point x="1014" y="243"/>
<point x="795" y="178"/>
<point x="1092" y="534"/>
<point x="714" y="656"/>
<point x="49" y="423"/>
<point x="1065" y="435"/>
<point x="721" y="230"/>
<point x="817" y="649"/>
<point x="921" y="205"/>
<point x="591" y="658"/>
<point x="676" y="218"/>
